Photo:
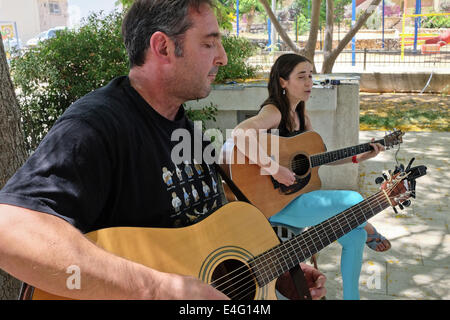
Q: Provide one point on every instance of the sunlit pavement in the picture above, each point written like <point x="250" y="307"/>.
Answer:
<point x="417" y="265"/>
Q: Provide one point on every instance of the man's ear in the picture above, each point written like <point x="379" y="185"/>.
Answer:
<point x="160" y="45"/>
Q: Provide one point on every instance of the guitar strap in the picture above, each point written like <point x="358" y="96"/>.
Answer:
<point x="237" y="192"/>
<point x="296" y="272"/>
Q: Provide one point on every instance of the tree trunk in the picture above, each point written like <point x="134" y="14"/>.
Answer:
<point x="280" y="29"/>
<point x="330" y="55"/>
<point x="250" y="19"/>
<point x="330" y="59"/>
<point x="12" y="153"/>
<point x="310" y="47"/>
<point x="328" y="42"/>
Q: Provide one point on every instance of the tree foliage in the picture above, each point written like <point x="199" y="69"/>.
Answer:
<point x="238" y="49"/>
<point x="61" y="70"/>
<point x="330" y="54"/>
<point x="54" y="74"/>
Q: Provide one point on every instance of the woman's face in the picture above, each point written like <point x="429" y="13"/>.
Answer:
<point x="298" y="85"/>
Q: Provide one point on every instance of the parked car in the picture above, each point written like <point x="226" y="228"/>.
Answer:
<point x="50" y="33"/>
<point x="12" y="44"/>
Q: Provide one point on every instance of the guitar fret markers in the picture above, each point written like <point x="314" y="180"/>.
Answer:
<point x="276" y="261"/>
<point x="332" y="156"/>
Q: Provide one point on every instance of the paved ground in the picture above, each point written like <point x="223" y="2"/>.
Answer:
<point x="417" y="266"/>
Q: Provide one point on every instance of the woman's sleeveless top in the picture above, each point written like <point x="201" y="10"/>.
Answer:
<point x="284" y="132"/>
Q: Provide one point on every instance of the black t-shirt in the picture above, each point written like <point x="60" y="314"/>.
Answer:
<point x="107" y="162"/>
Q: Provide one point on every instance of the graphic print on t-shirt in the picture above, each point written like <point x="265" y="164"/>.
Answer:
<point x="193" y="194"/>
<point x="167" y="176"/>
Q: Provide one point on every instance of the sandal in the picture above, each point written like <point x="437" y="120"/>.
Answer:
<point x="374" y="239"/>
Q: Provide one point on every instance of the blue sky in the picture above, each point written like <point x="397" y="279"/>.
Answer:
<point x="81" y="8"/>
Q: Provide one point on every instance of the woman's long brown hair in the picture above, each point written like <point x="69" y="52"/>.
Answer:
<point x="283" y="67"/>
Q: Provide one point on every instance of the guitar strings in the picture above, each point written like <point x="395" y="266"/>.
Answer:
<point x="312" y="160"/>
<point x="341" y="217"/>
<point x="374" y="198"/>
<point x="296" y="245"/>
<point x="308" y="243"/>
<point x="350" y="150"/>
<point x="289" y="265"/>
<point x="323" y="156"/>
<point x="250" y="283"/>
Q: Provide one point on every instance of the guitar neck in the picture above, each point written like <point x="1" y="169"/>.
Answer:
<point x="276" y="261"/>
<point x="332" y="156"/>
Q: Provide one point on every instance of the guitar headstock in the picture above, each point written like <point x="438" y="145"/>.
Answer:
<point x="400" y="185"/>
<point x="393" y="138"/>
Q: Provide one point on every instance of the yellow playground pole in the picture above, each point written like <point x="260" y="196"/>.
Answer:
<point x="405" y="15"/>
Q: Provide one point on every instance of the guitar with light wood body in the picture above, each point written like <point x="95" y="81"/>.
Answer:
<point x="235" y="249"/>
<point x="303" y="154"/>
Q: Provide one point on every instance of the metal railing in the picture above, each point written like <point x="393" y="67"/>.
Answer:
<point x="369" y="60"/>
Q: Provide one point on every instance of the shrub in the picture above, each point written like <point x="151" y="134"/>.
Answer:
<point x="436" y="22"/>
<point x="60" y="70"/>
<point x="238" y="50"/>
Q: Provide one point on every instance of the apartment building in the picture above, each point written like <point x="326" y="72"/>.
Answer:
<point x="28" y="18"/>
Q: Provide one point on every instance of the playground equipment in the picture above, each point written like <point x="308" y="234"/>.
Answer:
<point x="433" y="45"/>
<point x="430" y="43"/>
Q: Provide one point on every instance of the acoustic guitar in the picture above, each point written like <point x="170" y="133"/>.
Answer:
<point x="303" y="154"/>
<point x="235" y="249"/>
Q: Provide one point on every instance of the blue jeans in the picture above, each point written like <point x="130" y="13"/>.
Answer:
<point x="317" y="206"/>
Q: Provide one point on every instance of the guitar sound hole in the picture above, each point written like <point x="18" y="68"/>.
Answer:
<point x="300" y="164"/>
<point x="234" y="279"/>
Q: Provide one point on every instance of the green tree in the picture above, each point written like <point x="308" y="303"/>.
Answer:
<point x="330" y="54"/>
<point x="54" y="74"/>
<point x="61" y="70"/>
<point x="250" y="8"/>
<point x="223" y="11"/>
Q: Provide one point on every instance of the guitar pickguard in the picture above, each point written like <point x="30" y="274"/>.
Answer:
<point x="297" y="186"/>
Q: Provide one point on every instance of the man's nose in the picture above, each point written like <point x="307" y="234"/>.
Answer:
<point x="221" y="59"/>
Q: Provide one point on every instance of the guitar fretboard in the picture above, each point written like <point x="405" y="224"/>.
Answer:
<point x="332" y="156"/>
<point x="276" y="261"/>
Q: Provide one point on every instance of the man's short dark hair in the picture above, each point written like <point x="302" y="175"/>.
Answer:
<point x="145" y="17"/>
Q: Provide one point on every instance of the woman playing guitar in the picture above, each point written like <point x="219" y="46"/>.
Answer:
<point x="289" y="88"/>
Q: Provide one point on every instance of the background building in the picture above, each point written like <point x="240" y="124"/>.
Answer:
<point x="28" y="18"/>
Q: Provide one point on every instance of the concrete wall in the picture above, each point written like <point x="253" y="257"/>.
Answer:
<point x="405" y="82"/>
<point x="334" y="113"/>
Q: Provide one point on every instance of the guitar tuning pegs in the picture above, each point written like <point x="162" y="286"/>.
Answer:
<point x="400" y="206"/>
<point x="409" y="164"/>
<point x="407" y="203"/>
<point x="379" y="180"/>
<point x="395" y="210"/>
